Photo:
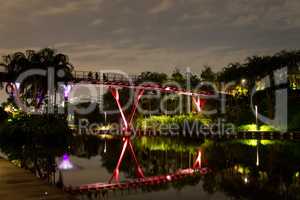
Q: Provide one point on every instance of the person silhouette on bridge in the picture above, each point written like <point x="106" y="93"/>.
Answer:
<point x="90" y="75"/>
<point x="105" y="77"/>
<point x="97" y="76"/>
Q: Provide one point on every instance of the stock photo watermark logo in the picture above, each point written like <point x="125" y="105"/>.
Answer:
<point x="185" y="129"/>
<point x="280" y="120"/>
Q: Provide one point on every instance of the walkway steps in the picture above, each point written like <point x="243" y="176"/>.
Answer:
<point x="19" y="184"/>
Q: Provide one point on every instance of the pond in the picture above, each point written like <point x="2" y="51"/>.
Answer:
<point x="239" y="169"/>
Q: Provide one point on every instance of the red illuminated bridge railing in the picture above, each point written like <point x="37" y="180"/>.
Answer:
<point x="141" y="180"/>
<point x="97" y="76"/>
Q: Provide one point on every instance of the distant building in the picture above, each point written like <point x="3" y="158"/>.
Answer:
<point x="281" y="76"/>
<point x="294" y="79"/>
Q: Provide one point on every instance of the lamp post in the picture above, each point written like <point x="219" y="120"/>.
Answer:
<point x="257" y="153"/>
<point x="256" y="118"/>
<point x="244" y="82"/>
<point x="258" y="141"/>
<point x="105" y="123"/>
<point x="105" y="146"/>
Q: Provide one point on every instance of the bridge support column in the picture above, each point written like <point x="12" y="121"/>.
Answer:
<point x="115" y="93"/>
<point x="139" y="171"/>
<point x="198" y="102"/>
<point x="126" y="139"/>
<point x="198" y="163"/>
<point x="137" y="96"/>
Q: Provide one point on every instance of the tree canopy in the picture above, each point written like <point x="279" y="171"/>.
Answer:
<point x="35" y="87"/>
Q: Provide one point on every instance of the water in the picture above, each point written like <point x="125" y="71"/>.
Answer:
<point x="240" y="169"/>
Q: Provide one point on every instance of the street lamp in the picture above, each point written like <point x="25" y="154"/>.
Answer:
<point x="256" y="117"/>
<point x="244" y="82"/>
<point x="105" y="147"/>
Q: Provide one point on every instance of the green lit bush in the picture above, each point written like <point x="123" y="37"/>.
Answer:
<point x="252" y="127"/>
<point x="156" y="122"/>
<point x="168" y="144"/>
<point x="267" y="128"/>
<point x="35" y="141"/>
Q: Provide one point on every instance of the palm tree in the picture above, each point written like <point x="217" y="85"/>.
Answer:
<point x="33" y="90"/>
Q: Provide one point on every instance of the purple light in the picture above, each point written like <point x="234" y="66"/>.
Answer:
<point x="67" y="89"/>
<point x="65" y="163"/>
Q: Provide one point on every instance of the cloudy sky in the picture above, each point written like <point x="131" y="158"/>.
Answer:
<point x="157" y="35"/>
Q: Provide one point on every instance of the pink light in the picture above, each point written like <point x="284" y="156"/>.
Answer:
<point x="168" y="89"/>
<point x="65" y="163"/>
<point x="169" y="178"/>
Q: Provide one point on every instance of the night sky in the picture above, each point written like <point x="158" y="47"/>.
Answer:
<point x="156" y="35"/>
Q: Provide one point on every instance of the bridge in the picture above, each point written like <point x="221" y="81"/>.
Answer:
<point x="114" y="82"/>
<point x="117" y="80"/>
<point x="137" y="183"/>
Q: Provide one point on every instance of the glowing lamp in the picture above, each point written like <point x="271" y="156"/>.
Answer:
<point x="169" y="178"/>
<point x="67" y="89"/>
<point x="243" y="81"/>
<point x="65" y="163"/>
<point x="17" y="85"/>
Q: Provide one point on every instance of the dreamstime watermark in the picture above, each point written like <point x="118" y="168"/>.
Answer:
<point x="170" y="97"/>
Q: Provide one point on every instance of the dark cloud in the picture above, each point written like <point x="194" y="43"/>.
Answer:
<point x="137" y="35"/>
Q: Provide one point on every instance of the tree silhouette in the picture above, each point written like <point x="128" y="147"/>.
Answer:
<point x="33" y="90"/>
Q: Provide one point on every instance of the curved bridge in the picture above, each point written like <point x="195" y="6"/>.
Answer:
<point x="114" y="82"/>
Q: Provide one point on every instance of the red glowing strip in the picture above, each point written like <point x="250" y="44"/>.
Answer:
<point x="197" y="103"/>
<point x="116" y="174"/>
<point x="137" y="99"/>
<point x="116" y="95"/>
<point x="197" y="163"/>
<point x="140" y="172"/>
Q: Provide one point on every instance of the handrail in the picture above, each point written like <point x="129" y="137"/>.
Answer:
<point x="96" y="76"/>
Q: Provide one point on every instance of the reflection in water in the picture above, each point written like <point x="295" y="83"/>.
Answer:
<point x="240" y="169"/>
<point x="257" y="156"/>
<point x="248" y="169"/>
